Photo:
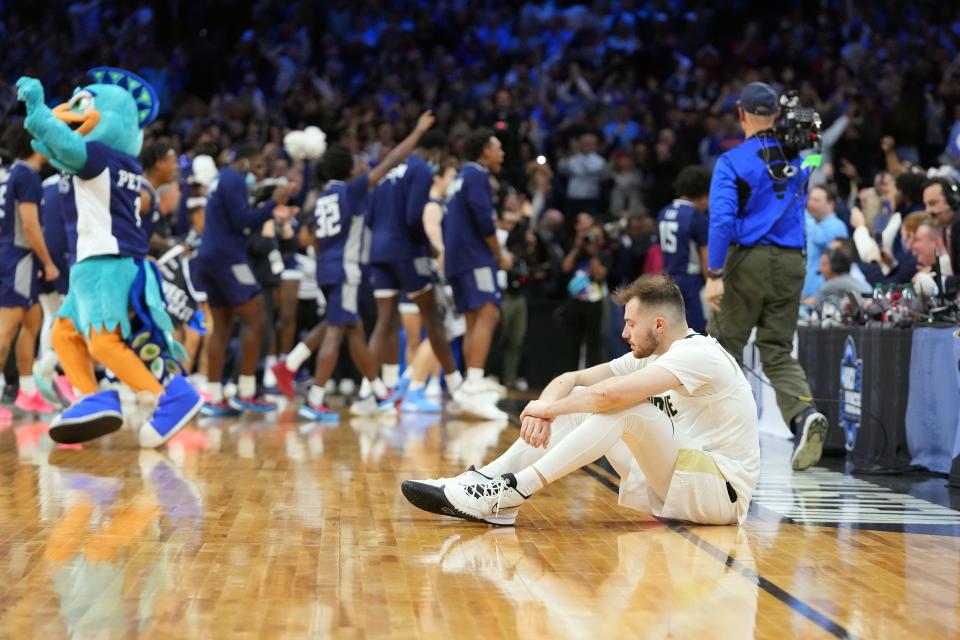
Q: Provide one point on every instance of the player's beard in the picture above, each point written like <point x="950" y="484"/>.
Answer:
<point x="646" y="348"/>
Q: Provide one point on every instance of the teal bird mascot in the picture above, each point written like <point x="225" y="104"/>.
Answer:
<point x="113" y="312"/>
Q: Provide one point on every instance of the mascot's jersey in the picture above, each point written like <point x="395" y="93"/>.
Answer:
<point x="103" y="201"/>
<point x="20" y="184"/>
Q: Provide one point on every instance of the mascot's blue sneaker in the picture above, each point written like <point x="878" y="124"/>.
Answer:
<point x="416" y="401"/>
<point x="90" y="417"/>
<point x="177" y="406"/>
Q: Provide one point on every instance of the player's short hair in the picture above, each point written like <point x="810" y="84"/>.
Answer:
<point x="16" y="142"/>
<point x="653" y="290"/>
<point x="692" y="182"/>
<point x="476" y="142"/>
<point x="449" y="162"/>
<point x="433" y="139"/>
<point x="336" y="164"/>
<point x="154" y="153"/>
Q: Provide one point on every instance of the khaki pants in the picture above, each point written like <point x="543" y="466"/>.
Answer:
<point x="762" y="290"/>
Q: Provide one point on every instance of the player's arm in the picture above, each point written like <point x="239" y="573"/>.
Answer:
<point x="562" y="385"/>
<point x="400" y="152"/>
<point x="535" y="430"/>
<point x="616" y="392"/>
<point x="432" y="219"/>
<point x="30" y="218"/>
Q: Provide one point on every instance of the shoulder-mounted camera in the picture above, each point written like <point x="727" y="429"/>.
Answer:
<point x="800" y="127"/>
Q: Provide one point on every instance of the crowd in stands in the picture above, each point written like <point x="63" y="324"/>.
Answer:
<point x="599" y="107"/>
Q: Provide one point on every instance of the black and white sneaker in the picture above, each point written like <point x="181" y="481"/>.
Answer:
<point x="812" y="430"/>
<point x="427" y="493"/>
<point x="496" y="501"/>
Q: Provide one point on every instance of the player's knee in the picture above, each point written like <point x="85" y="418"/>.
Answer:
<point x="490" y="313"/>
<point x="641" y="415"/>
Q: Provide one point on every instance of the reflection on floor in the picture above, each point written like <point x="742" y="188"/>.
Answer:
<point x="278" y="528"/>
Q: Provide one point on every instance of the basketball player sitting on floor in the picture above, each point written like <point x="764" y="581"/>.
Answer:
<point x="674" y="416"/>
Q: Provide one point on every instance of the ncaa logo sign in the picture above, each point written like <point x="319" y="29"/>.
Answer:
<point x="851" y="380"/>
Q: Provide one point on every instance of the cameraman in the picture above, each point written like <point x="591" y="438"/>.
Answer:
<point x="756" y="262"/>
<point x="587" y="266"/>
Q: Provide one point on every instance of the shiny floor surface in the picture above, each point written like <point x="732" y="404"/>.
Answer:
<point x="278" y="528"/>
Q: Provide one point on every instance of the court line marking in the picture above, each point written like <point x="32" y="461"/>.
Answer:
<point x="780" y="594"/>
<point x="798" y="605"/>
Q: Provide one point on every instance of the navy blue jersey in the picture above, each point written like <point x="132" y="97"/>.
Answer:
<point x="102" y="202"/>
<point x="150" y="217"/>
<point x="339" y="213"/>
<point x="682" y="230"/>
<point x="419" y="179"/>
<point x="230" y="219"/>
<point x="386" y="218"/>
<point x="20" y="185"/>
<point x="468" y="221"/>
<point x="54" y="228"/>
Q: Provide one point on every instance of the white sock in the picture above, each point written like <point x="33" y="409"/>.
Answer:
<point x="315" y="395"/>
<point x="269" y="361"/>
<point x="365" y="388"/>
<point x="390" y="374"/>
<point x="415" y="384"/>
<point x="48" y="361"/>
<point x="474" y="374"/>
<point x="297" y="357"/>
<point x="378" y="387"/>
<point x="453" y="380"/>
<point x="528" y="482"/>
<point x="215" y="389"/>
<point x="269" y="378"/>
<point x="247" y="386"/>
<point x="28" y="385"/>
<point x="199" y="380"/>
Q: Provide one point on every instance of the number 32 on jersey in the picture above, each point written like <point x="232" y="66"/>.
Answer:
<point x="327" y="213"/>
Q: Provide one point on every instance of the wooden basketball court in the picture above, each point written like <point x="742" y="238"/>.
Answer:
<point x="278" y="528"/>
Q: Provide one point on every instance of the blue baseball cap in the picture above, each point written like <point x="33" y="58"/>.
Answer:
<point x="759" y="99"/>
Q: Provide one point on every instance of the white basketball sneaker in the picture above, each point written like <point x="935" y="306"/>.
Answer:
<point x="496" y="501"/>
<point x="427" y="494"/>
<point x="470" y="476"/>
<point x="472" y="400"/>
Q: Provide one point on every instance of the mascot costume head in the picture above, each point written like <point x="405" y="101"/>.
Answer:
<point x="114" y="311"/>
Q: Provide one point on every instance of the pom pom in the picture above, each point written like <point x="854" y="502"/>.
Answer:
<point x="204" y="170"/>
<point x="308" y="144"/>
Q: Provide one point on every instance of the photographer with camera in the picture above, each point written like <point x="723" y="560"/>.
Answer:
<point x="587" y="266"/>
<point x="755" y="255"/>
